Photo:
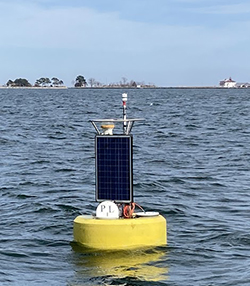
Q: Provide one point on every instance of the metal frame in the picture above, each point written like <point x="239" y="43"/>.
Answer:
<point x="127" y="127"/>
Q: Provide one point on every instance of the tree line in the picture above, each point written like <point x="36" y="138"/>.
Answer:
<point x="124" y="82"/>
<point x="79" y="82"/>
<point x="41" y="82"/>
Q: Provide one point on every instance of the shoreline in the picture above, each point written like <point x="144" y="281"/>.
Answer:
<point x="133" y="88"/>
<point x="33" y="87"/>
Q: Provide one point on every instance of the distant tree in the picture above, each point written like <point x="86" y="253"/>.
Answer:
<point x="92" y="82"/>
<point x="10" y="82"/>
<point x="47" y="81"/>
<point x="124" y="81"/>
<point x="38" y="82"/>
<point x="80" y="81"/>
<point x="21" y="82"/>
<point x="44" y="81"/>
<point x="55" y="81"/>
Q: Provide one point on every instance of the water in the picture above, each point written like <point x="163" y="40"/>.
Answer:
<point x="191" y="163"/>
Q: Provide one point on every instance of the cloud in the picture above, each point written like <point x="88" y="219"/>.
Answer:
<point x="85" y="29"/>
<point x="226" y="9"/>
<point x="34" y="26"/>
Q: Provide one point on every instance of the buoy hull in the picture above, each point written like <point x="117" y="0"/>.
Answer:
<point x="120" y="233"/>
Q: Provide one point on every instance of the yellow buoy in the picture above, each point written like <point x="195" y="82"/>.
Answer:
<point x="115" y="226"/>
<point x="112" y="234"/>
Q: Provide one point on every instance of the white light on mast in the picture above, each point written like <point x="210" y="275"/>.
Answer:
<point x="124" y="101"/>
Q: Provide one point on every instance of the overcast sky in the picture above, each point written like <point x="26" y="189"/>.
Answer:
<point x="165" y="42"/>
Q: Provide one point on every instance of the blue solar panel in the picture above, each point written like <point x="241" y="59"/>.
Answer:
<point x="114" y="168"/>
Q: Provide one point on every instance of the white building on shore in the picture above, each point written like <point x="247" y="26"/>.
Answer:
<point x="228" y="83"/>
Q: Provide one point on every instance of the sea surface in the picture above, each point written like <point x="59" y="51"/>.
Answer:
<point x="191" y="164"/>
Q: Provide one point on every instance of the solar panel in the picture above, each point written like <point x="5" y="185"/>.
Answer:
<point x="114" y="168"/>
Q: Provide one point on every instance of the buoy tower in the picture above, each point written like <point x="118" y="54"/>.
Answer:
<point x="116" y="224"/>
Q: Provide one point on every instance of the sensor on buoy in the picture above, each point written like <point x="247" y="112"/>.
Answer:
<point x="116" y="224"/>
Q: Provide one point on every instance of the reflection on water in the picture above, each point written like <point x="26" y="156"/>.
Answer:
<point x="139" y="264"/>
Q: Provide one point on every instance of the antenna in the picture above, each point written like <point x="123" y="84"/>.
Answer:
<point x="124" y="101"/>
<point x="107" y="125"/>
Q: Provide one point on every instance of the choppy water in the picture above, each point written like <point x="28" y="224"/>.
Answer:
<point x="191" y="163"/>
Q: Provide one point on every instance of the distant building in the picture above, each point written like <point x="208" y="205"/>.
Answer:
<point x="228" y="83"/>
<point x="243" y="85"/>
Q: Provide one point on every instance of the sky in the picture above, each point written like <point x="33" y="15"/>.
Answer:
<point x="162" y="42"/>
